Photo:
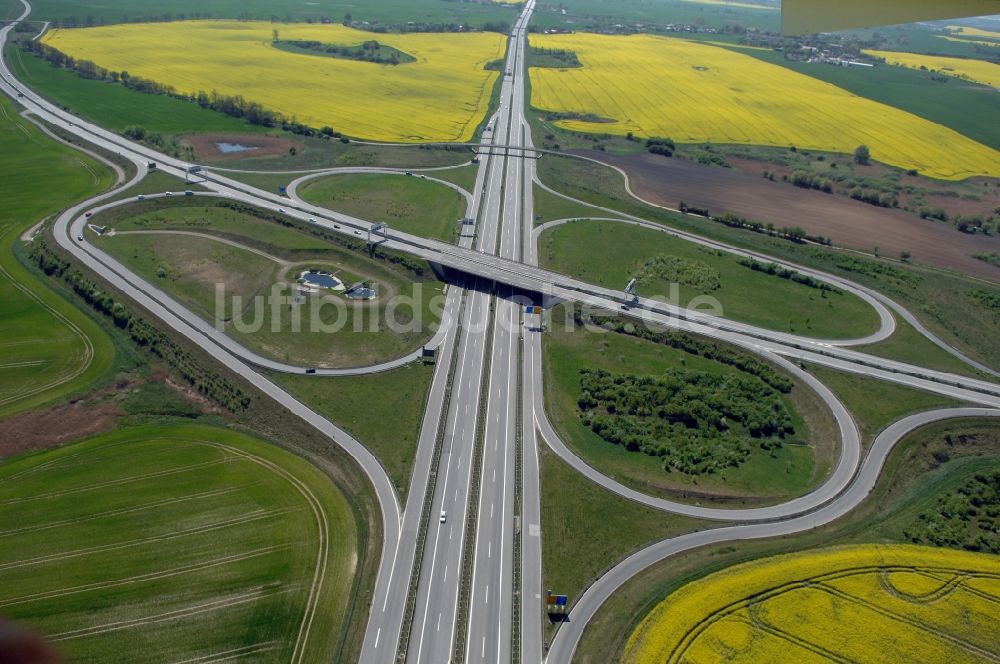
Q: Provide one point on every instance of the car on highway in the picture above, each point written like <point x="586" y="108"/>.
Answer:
<point x="444" y="516"/>
<point x="89" y="215"/>
<point x="141" y="197"/>
<point x="310" y="371"/>
<point x="281" y="210"/>
<point x="79" y="238"/>
<point x="168" y="193"/>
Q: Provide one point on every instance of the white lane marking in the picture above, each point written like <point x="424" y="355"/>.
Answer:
<point x="445" y="573"/>
<point x="451" y="531"/>
<point x="377" y="635"/>
<point x="439" y="622"/>
<point x="489" y="549"/>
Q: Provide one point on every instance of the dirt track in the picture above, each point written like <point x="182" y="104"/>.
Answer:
<point x="849" y="223"/>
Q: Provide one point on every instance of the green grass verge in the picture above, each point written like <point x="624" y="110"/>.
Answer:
<point x="911" y="483"/>
<point x="744" y="294"/>
<point x="327" y="331"/>
<point x="49" y="348"/>
<point x="179" y="541"/>
<point x="349" y="403"/>
<point x="463" y="176"/>
<point x="789" y="470"/>
<point x="586" y="528"/>
<point x="549" y="207"/>
<point x="908" y="345"/>
<point x="876" y="404"/>
<point x="409" y="204"/>
<point x="943" y="301"/>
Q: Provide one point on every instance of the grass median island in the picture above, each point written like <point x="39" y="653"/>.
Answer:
<point x="930" y="465"/>
<point x="408" y="203"/>
<point x="684" y="436"/>
<point x="49" y="349"/>
<point x="349" y="401"/>
<point x="178" y="541"/>
<point x="908" y="345"/>
<point x="586" y="529"/>
<point x="660" y="261"/>
<point x="253" y="257"/>
<point x="876" y="404"/>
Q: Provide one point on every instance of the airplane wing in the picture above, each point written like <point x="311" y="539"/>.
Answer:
<point x="800" y="17"/>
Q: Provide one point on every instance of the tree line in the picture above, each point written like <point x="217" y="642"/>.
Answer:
<point x="784" y="273"/>
<point x="144" y="334"/>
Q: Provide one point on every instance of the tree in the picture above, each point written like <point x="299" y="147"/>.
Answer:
<point x="904" y="256"/>
<point x="862" y="155"/>
<point x="348" y="18"/>
<point x="275" y="34"/>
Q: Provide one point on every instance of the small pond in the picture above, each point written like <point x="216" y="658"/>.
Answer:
<point x="229" y="148"/>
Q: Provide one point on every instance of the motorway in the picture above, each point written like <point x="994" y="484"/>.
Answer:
<point x="466" y="598"/>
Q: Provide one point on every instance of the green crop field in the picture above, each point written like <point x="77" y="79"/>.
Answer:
<point x="179" y="542"/>
<point x="238" y="254"/>
<point x="745" y="295"/>
<point x="48" y="348"/>
<point x="598" y="14"/>
<point x="389" y="12"/>
<point x="967" y="108"/>
<point x="409" y="204"/>
<point x="791" y="469"/>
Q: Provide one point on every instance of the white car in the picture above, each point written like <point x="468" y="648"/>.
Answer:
<point x="444" y="516"/>
<point x="281" y="210"/>
<point x="169" y="193"/>
<point x="79" y="238"/>
<point x="312" y="220"/>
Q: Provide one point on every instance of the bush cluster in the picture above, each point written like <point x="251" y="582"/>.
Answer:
<point x="967" y="518"/>
<point x="694" y="273"/>
<point x="696" y="422"/>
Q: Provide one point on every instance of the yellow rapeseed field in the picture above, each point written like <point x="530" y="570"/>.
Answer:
<point x="442" y="96"/>
<point x="974" y="32"/>
<point x="692" y="92"/>
<point x="978" y="71"/>
<point x="917" y="603"/>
